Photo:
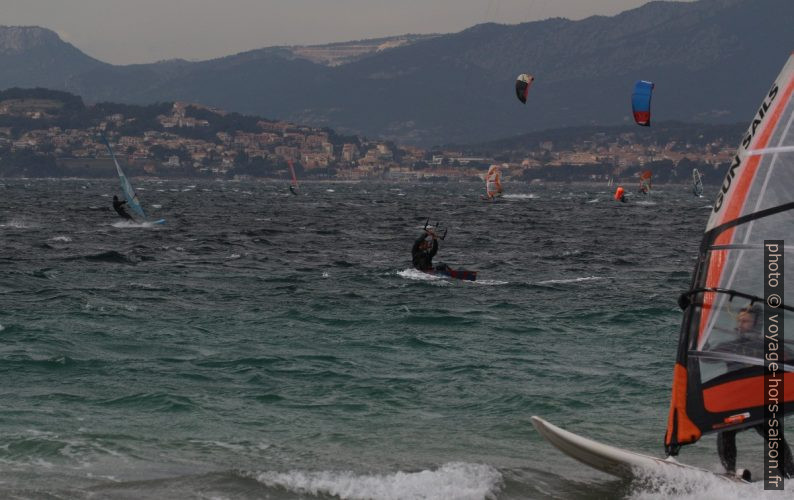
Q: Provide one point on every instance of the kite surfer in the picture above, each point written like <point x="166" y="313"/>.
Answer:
<point x="423" y="251"/>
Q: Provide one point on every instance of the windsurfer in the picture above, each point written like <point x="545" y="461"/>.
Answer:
<point x="620" y="195"/>
<point x="749" y="342"/>
<point x="493" y="184"/>
<point x="423" y="251"/>
<point x="118" y="206"/>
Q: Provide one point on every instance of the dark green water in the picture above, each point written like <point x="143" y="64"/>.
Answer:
<point x="261" y="345"/>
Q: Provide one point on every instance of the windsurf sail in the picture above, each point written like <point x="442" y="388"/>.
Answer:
<point x="126" y="187"/>
<point x="294" y="186"/>
<point x="697" y="183"/>
<point x="645" y="182"/>
<point x="523" y="82"/>
<point x="718" y="378"/>
<point x="493" y="182"/>
<point x="641" y="102"/>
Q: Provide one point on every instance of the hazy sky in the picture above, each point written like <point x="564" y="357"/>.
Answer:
<point x="142" y="31"/>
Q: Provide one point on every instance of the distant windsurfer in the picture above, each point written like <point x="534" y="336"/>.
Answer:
<point x="118" y="206"/>
<point x="750" y="343"/>
<point x="493" y="183"/>
<point x="423" y="251"/>
<point x="620" y="195"/>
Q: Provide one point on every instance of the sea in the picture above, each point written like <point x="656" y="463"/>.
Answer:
<point x="261" y="345"/>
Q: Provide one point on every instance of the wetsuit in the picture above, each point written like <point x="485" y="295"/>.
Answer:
<point x="423" y="259"/>
<point x="726" y="447"/>
<point x="750" y="346"/>
<point x="118" y="206"/>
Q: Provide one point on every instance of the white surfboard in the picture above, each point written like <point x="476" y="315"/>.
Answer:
<point x="610" y="459"/>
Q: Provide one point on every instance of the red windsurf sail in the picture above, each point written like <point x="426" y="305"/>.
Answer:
<point x="718" y="379"/>
<point x="294" y="186"/>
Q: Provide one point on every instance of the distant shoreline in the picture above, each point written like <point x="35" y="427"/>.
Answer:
<point x="286" y="182"/>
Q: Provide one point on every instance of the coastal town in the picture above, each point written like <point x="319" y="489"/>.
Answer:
<point x="182" y="142"/>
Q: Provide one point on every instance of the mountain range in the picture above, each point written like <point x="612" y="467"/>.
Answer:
<point x="711" y="61"/>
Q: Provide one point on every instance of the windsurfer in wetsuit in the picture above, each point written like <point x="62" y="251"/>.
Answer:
<point x="423" y="251"/>
<point x="118" y="206"/>
<point x="749" y="343"/>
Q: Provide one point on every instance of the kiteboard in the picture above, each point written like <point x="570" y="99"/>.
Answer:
<point x="611" y="459"/>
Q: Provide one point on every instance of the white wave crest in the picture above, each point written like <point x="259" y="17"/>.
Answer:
<point x="64" y="239"/>
<point x="694" y="484"/>
<point x="124" y="224"/>
<point x="525" y="196"/>
<point x="461" y="481"/>
<point x="491" y="282"/>
<point x="571" y="280"/>
<point x="17" y="223"/>
<point x="415" y="274"/>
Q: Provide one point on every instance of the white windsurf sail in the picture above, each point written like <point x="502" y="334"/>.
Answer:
<point x="126" y="187"/>
<point x="697" y="183"/>
<point x="718" y="378"/>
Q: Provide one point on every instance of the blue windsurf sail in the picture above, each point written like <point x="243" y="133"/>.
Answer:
<point x="126" y="187"/>
<point x="641" y="102"/>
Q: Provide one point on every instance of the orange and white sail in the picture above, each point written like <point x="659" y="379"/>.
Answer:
<point x="645" y="181"/>
<point x="294" y="186"/>
<point x="718" y="386"/>
<point x="493" y="182"/>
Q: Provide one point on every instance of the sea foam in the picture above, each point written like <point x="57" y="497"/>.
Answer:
<point x="463" y="481"/>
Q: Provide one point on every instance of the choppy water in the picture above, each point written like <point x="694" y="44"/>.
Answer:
<point x="261" y="345"/>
